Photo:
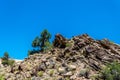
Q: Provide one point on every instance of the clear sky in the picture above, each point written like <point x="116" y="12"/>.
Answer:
<point x="22" y="20"/>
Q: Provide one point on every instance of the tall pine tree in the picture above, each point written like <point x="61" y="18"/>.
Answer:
<point x="42" y="40"/>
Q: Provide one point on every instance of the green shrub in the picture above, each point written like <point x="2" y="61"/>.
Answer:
<point x="8" y="62"/>
<point x="46" y="79"/>
<point x="11" y="62"/>
<point x="67" y="78"/>
<point x="48" y="47"/>
<point x="2" y="77"/>
<point x="5" y="62"/>
<point x="6" y="56"/>
<point x="94" y="77"/>
<point x="6" y="59"/>
<point x="40" y="73"/>
<point x="51" y="72"/>
<point x="111" y="71"/>
<point x="68" y="44"/>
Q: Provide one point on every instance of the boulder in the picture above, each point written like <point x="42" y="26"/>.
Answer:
<point x="68" y="74"/>
<point x="59" y="41"/>
<point x="62" y="70"/>
<point x="72" y="67"/>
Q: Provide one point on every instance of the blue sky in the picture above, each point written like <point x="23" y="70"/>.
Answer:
<point x="22" y="20"/>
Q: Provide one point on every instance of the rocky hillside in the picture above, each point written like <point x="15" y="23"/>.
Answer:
<point x="79" y="58"/>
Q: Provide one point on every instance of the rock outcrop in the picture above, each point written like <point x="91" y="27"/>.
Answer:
<point x="79" y="58"/>
<point x="59" y="41"/>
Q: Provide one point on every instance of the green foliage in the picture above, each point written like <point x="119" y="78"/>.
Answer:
<point x="40" y="73"/>
<point x="29" y="52"/>
<point x="5" y="56"/>
<point x="11" y="62"/>
<point x="111" y="71"/>
<point x="36" y="42"/>
<point x="51" y="72"/>
<point x="6" y="60"/>
<point x="43" y="41"/>
<point x="67" y="78"/>
<point x="95" y="77"/>
<point x="45" y="36"/>
<point x="48" y="46"/>
<point x="2" y="77"/>
<point x="68" y="44"/>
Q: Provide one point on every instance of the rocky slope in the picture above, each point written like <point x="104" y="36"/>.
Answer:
<point x="80" y="58"/>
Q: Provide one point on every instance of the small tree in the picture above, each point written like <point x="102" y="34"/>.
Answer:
<point x="6" y="56"/>
<point x="42" y="40"/>
<point x="6" y="60"/>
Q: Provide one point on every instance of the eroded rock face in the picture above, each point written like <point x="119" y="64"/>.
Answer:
<point x="80" y="60"/>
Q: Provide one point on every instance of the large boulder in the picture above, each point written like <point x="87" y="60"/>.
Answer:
<point x="59" y="41"/>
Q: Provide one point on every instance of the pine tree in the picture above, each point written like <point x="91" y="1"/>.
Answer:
<point x="45" y="36"/>
<point x="42" y="40"/>
<point x="6" y="56"/>
<point x="36" y="42"/>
